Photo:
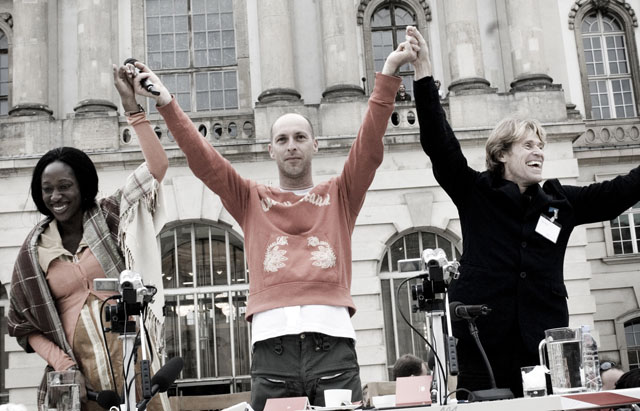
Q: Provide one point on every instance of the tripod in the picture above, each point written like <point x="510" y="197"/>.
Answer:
<point x="431" y="297"/>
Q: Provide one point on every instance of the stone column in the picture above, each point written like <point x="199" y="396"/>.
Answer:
<point x="465" y="49"/>
<point x="341" y="73"/>
<point x="95" y="80"/>
<point x="30" y="88"/>
<point x="527" y="49"/>
<point x="276" y="52"/>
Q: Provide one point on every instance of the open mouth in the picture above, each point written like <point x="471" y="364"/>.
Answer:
<point x="535" y="164"/>
<point x="60" y="208"/>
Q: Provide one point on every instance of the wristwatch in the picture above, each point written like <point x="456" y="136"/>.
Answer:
<point x="130" y="113"/>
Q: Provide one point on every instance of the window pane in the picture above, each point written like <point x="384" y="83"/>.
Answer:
<point x="413" y="247"/>
<point x="238" y="270"/>
<point x="241" y="333"/>
<point x="384" y="266"/>
<point x="446" y="246"/>
<point x="397" y="253"/>
<point x="219" y="256"/>
<point x="590" y="24"/>
<point x="186" y="311"/>
<point x="207" y="324"/>
<point x="382" y="17"/>
<point x="204" y="269"/>
<point x="168" y="254"/>
<point x="382" y="42"/>
<point x="429" y="241"/>
<point x="403" y="17"/>
<point x="172" y="326"/>
<point x="185" y="268"/>
<point x="389" y="330"/>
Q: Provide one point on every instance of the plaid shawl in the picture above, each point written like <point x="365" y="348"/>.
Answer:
<point x="32" y="308"/>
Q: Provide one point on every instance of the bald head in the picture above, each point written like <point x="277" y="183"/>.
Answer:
<point x="292" y="119"/>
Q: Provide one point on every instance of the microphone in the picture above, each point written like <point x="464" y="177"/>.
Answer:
<point x="105" y="399"/>
<point x="145" y="83"/>
<point x="461" y="311"/>
<point x="163" y="379"/>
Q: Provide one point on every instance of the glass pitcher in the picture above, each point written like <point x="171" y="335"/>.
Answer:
<point x="564" y="349"/>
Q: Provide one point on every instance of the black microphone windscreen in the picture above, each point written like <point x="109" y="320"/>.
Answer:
<point x="108" y="399"/>
<point x="167" y="374"/>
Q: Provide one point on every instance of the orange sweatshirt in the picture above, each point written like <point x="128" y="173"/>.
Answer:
<point x="298" y="248"/>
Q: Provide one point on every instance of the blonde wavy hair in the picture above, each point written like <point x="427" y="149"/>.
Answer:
<point x="505" y="133"/>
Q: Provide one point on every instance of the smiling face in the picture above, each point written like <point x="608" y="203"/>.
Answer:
<point x="61" y="192"/>
<point x="523" y="162"/>
<point x="293" y="146"/>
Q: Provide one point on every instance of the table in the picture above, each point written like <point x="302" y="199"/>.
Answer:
<point x="580" y="401"/>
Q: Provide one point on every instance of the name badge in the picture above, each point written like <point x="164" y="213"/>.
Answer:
<point x="548" y="228"/>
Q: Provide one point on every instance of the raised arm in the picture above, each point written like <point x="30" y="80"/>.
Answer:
<point x="152" y="150"/>
<point x="606" y="200"/>
<point x="367" y="150"/>
<point x="204" y="161"/>
<point x="436" y="136"/>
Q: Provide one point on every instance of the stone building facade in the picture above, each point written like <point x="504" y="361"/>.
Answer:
<point x="235" y="66"/>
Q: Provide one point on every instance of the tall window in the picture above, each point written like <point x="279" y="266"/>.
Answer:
<point x="625" y="231"/>
<point x="632" y="335"/>
<point x="388" y="25"/>
<point x="606" y="56"/>
<point x="206" y="286"/>
<point x="4" y="74"/>
<point x="191" y="44"/>
<point x="400" y="339"/>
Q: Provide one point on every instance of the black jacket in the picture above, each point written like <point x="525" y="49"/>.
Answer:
<point x="505" y="263"/>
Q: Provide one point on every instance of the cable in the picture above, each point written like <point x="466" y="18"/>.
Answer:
<point x="471" y="397"/>
<point x="435" y="355"/>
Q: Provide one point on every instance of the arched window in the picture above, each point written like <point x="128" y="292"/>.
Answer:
<point x="388" y="24"/>
<point x="400" y="339"/>
<point x="191" y="45"/>
<point x="206" y="285"/>
<point x="608" y="66"/>
<point x="4" y="74"/>
<point x="632" y="336"/>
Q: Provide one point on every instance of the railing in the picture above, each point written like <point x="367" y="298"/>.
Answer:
<point x="223" y="128"/>
<point x="608" y="133"/>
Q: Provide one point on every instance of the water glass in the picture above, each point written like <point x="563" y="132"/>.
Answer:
<point x="534" y="383"/>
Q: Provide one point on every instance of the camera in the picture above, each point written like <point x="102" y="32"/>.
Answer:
<point x="436" y="273"/>
<point x="134" y="297"/>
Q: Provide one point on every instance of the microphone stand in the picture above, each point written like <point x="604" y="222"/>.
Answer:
<point x="493" y="393"/>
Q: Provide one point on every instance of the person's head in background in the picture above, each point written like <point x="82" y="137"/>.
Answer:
<point x="630" y="379"/>
<point x="610" y="372"/>
<point x="409" y="365"/>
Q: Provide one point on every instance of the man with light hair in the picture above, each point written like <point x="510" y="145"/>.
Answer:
<point x="515" y="233"/>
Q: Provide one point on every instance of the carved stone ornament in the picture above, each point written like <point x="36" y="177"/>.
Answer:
<point x="602" y="6"/>
<point x="364" y="3"/>
<point x="6" y="17"/>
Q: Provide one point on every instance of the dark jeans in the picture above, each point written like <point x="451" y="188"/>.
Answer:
<point x="303" y="365"/>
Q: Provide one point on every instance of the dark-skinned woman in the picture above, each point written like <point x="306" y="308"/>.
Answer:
<point x="55" y="310"/>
